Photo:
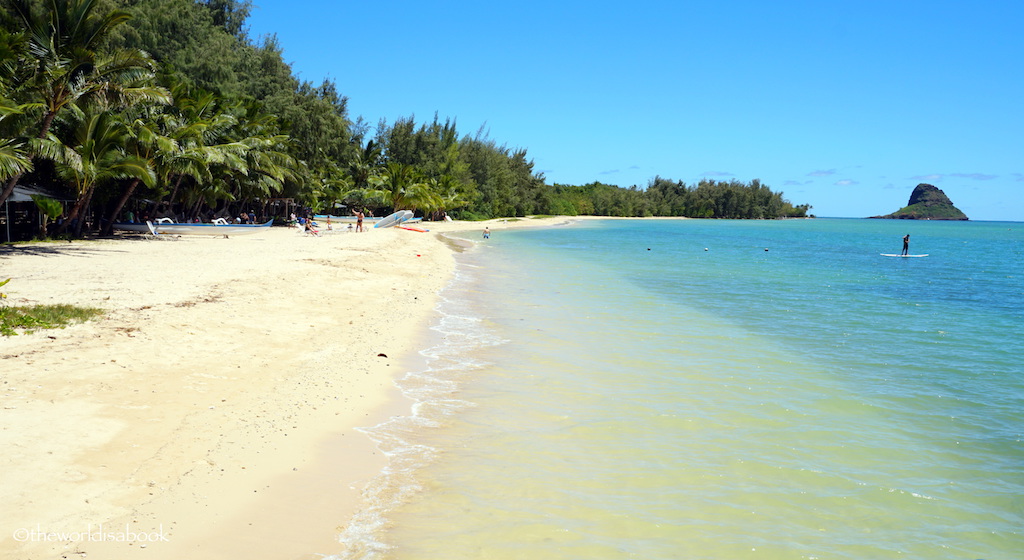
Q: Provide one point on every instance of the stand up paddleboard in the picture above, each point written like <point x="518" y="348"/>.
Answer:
<point x="394" y="219"/>
<point x="903" y="256"/>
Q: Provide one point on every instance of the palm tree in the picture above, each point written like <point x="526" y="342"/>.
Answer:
<point x="451" y="193"/>
<point x="365" y="164"/>
<point x="422" y="196"/>
<point x="375" y="195"/>
<point x="100" y="139"/>
<point x="403" y="185"/>
<point x="331" y="188"/>
<point x="145" y="139"/>
<point x="14" y="154"/>
<point x="67" y="66"/>
<point x="183" y="142"/>
<point x="16" y="150"/>
<point x="202" y="128"/>
<point x="268" y="164"/>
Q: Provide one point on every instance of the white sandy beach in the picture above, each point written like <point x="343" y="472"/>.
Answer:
<point x="211" y="409"/>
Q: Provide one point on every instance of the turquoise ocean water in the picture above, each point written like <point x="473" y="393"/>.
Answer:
<point x="612" y="390"/>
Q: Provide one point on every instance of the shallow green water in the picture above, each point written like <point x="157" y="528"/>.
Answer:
<point x="614" y="390"/>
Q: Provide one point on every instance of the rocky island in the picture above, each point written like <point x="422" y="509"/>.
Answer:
<point x="927" y="202"/>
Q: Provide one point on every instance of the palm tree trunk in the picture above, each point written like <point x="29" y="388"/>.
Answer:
<point x="75" y="211"/>
<point x="108" y="228"/>
<point x="47" y="123"/>
<point x="84" y="205"/>
<point x="194" y="211"/>
<point x="174" y="192"/>
<point x="9" y="188"/>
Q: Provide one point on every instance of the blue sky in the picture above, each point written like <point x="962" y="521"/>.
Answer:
<point x="842" y="105"/>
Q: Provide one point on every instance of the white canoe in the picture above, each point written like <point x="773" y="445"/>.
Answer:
<point x="184" y="228"/>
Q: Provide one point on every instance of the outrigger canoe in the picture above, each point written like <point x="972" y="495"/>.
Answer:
<point x="165" y="226"/>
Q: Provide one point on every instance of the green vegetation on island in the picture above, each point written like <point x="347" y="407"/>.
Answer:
<point x="169" y="107"/>
<point x="927" y="202"/>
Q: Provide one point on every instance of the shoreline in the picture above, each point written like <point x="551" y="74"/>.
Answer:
<point x="209" y="408"/>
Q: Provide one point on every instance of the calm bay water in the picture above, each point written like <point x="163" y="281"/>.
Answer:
<point x="612" y="390"/>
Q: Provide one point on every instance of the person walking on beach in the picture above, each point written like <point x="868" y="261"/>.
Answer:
<point x="487" y="233"/>
<point x="906" y="244"/>
<point x="359" y="221"/>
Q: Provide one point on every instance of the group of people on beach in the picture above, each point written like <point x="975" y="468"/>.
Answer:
<point x="307" y="225"/>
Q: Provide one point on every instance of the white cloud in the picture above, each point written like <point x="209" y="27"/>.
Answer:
<point x="975" y="176"/>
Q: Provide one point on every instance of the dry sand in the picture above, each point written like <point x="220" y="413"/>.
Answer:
<point x="212" y="409"/>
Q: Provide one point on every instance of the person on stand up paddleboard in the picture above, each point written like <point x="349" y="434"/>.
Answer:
<point x="906" y="244"/>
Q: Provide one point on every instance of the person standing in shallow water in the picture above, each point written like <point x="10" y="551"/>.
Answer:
<point x="906" y="244"/>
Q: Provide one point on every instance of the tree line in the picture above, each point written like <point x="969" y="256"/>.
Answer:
<point x="170" y="107"/>
<point x="664" y="197"/>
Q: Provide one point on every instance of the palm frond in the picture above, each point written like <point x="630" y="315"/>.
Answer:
<point x="14" y="159"/>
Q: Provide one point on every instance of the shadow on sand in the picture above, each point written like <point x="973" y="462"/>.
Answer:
<point x="76" y="248"/>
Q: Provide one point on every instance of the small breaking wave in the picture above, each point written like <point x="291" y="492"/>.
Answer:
<point x="460" y="334"/>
